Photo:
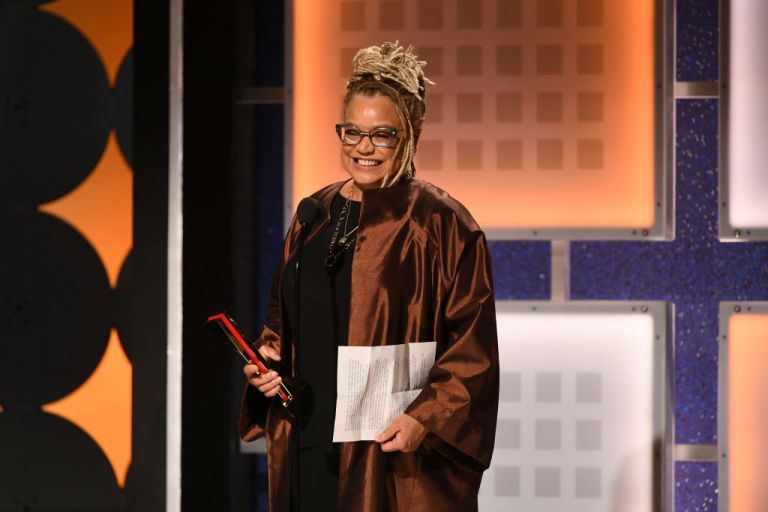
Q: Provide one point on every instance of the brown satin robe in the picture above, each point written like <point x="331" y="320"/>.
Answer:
<point x="421" y="272"/>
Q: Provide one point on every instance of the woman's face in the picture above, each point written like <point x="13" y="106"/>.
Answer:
<point x="367" y="164"/>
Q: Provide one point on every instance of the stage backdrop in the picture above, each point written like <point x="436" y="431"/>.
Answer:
<point x="692" y="269"/>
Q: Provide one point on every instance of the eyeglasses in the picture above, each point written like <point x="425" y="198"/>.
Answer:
<point x="379" y="137"/>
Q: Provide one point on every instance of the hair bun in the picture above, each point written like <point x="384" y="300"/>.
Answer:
<point x="393" y="62"/>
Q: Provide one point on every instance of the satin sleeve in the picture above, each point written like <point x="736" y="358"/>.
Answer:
<point x="460" y="403"/>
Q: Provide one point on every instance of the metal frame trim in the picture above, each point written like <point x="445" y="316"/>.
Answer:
<point x="667" y="464"/>
<point x="664" y="174"/>
<point x="724" y="228"/>
<point x="637" y="234"/>
<point x="691" y="90"/>
<point x="261" y="96"/>
<point x="724" y="315"/>
<point x="696" y="452"/>
<point x="560" y="270"/>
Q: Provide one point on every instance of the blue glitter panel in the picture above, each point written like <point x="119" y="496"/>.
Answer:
<point x="695" y="271"/>
<point x="521" y="270"/>
<point x="696" y="486"/>
<point x="697" y="40"/>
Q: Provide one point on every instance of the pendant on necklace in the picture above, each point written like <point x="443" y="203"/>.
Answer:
<point x="343" y="240"/>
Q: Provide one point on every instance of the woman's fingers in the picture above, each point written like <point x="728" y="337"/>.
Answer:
<point x="261" y="380"/>
<point x="269" y="353"/>
<point x="405" y="434"/>
<point x="251" y="372"/>
<point x="267" y="383"/>
<point x="274" y="390"/>
<point x="270" y="385"/>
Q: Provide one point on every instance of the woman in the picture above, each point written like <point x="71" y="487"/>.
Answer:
<point x="395" y="260"/>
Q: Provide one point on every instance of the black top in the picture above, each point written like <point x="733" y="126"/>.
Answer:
<point x="324" y="312"/>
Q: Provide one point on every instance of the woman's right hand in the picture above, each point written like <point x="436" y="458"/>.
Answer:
<point x="267" y="383"/>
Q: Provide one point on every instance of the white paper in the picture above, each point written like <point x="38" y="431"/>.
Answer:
<point x="374" y="385"/>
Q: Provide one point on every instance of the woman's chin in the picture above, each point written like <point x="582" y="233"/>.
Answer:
<point x="366" y="178"/>
<point x="365" y="185"/>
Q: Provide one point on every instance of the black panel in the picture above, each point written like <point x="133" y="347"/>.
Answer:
<point x="149" y="259"/>
<point x="208" y="429"/>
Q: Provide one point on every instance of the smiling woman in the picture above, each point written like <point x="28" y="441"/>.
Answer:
<point x="392" y="261"/>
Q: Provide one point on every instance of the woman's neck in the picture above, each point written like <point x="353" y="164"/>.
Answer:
<point x="352" y="191"/>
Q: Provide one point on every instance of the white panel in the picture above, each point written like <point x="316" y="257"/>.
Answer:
<point x="576" y="418"/>
<point x="748" y="116"/>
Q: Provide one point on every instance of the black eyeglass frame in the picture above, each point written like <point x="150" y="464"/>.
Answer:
<point x="392" y="131"/>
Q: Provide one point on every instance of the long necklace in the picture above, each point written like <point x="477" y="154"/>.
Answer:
<point x="340" y="244"/>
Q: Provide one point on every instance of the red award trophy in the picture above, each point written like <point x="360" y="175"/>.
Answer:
<point x="243" y="348"/>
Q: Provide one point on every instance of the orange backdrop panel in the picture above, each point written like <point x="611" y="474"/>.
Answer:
<point x="747" y="412"/>
<point x="541" y="118"/>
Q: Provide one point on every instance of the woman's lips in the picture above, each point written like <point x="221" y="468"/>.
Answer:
<point x="366" y="163"/>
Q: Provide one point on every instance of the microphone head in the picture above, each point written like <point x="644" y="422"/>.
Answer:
<point x="308" y="210"/>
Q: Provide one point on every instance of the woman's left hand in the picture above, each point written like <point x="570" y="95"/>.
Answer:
<point x="405" y="434"/>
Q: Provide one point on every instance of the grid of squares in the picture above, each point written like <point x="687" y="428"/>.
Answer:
<point x="507" y="85"/>
<point x="549" y="436"/>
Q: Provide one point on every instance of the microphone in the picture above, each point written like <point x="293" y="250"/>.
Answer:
<point x="308" y="210"/>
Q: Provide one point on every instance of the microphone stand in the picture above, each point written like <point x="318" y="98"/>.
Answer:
<point x="307" y="212"/>
<point x="296" y="459"/>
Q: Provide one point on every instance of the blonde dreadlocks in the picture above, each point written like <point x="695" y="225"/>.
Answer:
<point x="394" y="71"/>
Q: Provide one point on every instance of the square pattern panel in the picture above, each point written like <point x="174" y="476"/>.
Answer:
<point x="576" y="426"/>
<point x="520" y="85"/>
